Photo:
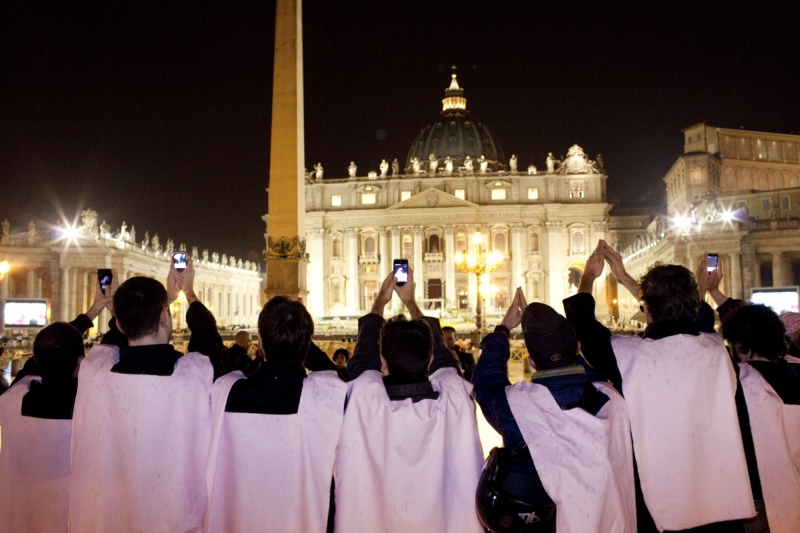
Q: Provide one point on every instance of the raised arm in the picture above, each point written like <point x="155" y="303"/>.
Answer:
<point x="366" y="355"/>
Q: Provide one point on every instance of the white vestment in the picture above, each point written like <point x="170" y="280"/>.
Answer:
<point x="140" y="446"/>
<point x="680" y="395"/>
<point x="774" y="426"/>
<point x="585" y="462"/>
<point x="273" y="472"/>
<point x="34" y="466"/>
<point x="403" y="466"/>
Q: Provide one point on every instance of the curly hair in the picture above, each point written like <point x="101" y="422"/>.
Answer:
<point x="671" y="293"/>
<point x="755" y="328"/>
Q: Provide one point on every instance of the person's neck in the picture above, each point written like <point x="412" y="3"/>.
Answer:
<point x="149" y="340"/>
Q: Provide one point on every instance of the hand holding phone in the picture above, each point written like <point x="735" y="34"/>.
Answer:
<point x="179" y="260"/>
<point x="401" y="271"/>
<point x="104" y="276"/>
<point x="713" y="261"/>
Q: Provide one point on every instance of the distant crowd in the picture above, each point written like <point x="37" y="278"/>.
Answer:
<point x="682" y="428"/>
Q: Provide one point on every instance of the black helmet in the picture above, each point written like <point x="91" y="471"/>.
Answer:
<point x="501" y="513"/>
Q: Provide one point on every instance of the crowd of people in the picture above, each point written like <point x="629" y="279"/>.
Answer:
<point x="668" y="431"/>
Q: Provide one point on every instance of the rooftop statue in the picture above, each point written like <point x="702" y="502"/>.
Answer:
<point x="551" y="163"/>
<point x="146" y="240"/>
<point x="415" y="166"/>
<point x="6" y="227"/>
<point x="89" y="219"/>
<point x="484" y="164"/>
<point x="170" y="247"/>
<point x="215" y="257"/>
<point x="31" y="229"/>
<point x="512" y="163"/>
<point x="105" y="230"/>
<point x="433" y="164"/>
<point x="468" y="165"/>
<point x="395" y="167"/>
<point x="205" y="255"/>
<point x="600" y="165"/>
<point x="576" y="162"/>
<point x="224" y="260"/>
<point x="448" y="166"/>
<point x="351" y="169"/>
<point x="318" y="170"/>
<point x="194" y="253"/>
<point x="384" y="168"/>
<point x="132" y="234"/>
<point x="123" y="231"/>
<point x="155" y="243"/>
<point x="532" y="170"/>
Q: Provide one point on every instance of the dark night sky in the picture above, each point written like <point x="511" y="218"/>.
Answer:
<point x="159" y="115"/>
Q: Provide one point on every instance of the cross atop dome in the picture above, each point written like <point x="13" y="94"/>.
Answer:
<point x="454" y="95"/>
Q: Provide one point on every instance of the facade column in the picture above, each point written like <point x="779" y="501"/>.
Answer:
<point x="3" y="298"/>
<point x="64" y="296"/>
<point x="735" y="284"/>
<point x="451" y="298"/>
<point x="385" y="263"/>
<point x="73" y="293"/>
<point x="419" y="264"/>
<point x="777" y="269"/>
<point x="316" y="272"/>
<point x="557" y="246"/>
<point x="351" y="241"/>
<point x="517" y="254"/>
<point x="472" y="279"/>
<point x="30" y="284"/>
<point x="395" y="245"/>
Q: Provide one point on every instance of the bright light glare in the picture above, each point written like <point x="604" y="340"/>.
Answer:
<point x="727" y="216"/>
<point x="477" y="237"/>
<point x="70" y="232"/>
<point x="4" y="267"/>
<point x="459" y="257"/>
<point x="681" y="221"/>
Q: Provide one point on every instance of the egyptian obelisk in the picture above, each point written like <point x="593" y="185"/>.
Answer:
<point x="285" y="253"/>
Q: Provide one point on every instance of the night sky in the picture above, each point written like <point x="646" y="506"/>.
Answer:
<point x="159" y="115"/>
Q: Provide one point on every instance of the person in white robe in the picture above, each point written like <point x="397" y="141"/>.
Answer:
<point x="409" y="456"/>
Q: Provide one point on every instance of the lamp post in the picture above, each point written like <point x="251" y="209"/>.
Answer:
<point x="480" y="263"/>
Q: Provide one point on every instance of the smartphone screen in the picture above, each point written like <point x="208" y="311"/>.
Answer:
<point x="401" y="271"/>
<point x="179" y="260"/>
<point x="713" y="261"/>
<point x="104" y="276"/>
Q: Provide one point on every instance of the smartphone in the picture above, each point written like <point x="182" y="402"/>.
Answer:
<point x="179" y="260"/>
<point x="713" y="261"/>
<point x="104" y="276"/>
<point x="401" y="271"/>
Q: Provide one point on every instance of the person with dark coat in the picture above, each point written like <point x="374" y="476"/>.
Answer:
<point x="236" y="356"/>
<point x="465" y="359"/>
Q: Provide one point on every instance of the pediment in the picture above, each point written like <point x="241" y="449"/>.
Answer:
<point x="432" y="197"/>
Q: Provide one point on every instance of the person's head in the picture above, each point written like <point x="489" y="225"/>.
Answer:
<point x="57" y="350"/>
<point x="407" y="347"/>
<point x="449" y="337"/>
<point x="670" y="293"/>
<point x="284" y="330"/>
<point x="142" y="309"/>
<point x="340" y="357"/>
<point x="755" y="330"/>
<point x="242" y="339"/>
<point x="549" y="337"/>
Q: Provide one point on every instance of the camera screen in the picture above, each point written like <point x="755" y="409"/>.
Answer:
<point x="401" y="272"/>
<point x="713" y="261"/>
<point x="179" y="260"/>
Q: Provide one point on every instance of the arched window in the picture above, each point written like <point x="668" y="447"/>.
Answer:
<point x="500" y="242"/>
<point x="369" y="247"/>
<point x="533" y="242"/>
<point x="433" y="244"/>
<point x="461" y="242"/>
<point x="337" y="247"/>
<point x="408" y="246"/>
<point x="577" y="242"/>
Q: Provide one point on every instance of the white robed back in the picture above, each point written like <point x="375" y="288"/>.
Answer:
<point x="34" y="466"/>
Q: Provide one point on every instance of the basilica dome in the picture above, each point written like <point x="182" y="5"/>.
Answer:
<point x="455" y="134"/>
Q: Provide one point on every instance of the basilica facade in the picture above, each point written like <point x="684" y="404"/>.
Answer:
<point x="456" y="182"/>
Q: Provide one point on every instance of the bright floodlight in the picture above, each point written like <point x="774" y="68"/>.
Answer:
<point x="70" y="232"/>
<point x="727" y="216"/>
<point x="681" y="222"/>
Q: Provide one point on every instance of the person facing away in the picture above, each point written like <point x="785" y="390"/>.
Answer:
<point x="771" y="390"/>
<point x="566" y="434"/>
<point x="142" y="419"/>
<point x="465" y="359"/>
<point x="236" y="356"/>
<point x="679" y="386"/>
<point x="408" y="457"/>
<point x="275" y="433"/>
<point x="36" y="426"/>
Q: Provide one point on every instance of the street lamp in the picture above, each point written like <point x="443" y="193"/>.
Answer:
<point x="480" y="263"/>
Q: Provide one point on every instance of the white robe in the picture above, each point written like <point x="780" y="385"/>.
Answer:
<point x="585" y="462"/>
<point x="403" y="466"/>
<point x="34" y="467"/>
<point x="140" y="446"/>
<point x="273" y="472"/>
<point x="775" y="427"/>
<point x="680" y="395"/>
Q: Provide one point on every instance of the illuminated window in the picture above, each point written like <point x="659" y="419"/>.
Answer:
<point x="369" y="246"/>
<point x="577" y="242"/>
<point x="368" y="198"/>
<point x="785" y="203"/>
<point x="533" y="193"/>
<point x="369" y="269"/>
<point x="460" y="194"/>
<point x="766" y="204"/>
<point x="408" y="246"/>
<point x="498" y="194"/>
<point x="336" y="200"/>
<point x="405" y="195"/>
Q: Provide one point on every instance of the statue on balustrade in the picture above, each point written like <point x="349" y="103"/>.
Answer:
<point x="384" y="168"/>
<point x="352" y="169"/>
<point x="551" y="163"/>
<point x="6" y="227"/>
<point x="31" y="229"/>
<point x="433" y="164"/>
<point x="448" y="165"/>
<point x="468" y="165"/>
<point x="415" y="166"/>
<point x="484" y="164"/>
<point x="512" y="163"/>
<point x="170" y="247"/>
<point x="318" y="170"/>
<point x="132" y="234"/>
<point x="146" y="240"/>
<point x="395" y="167"/>
<point x="154" y="244"/>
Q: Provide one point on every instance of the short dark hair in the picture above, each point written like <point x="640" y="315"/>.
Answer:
<point x="285" y="328"/>
<point x="449" y="328"/>
<point x="671" y="293"/>
<point x="342" y="351"/>
<point x="757" y="329"/>
<point x="407" y="346"/>
<point x="57" y="349"/>
<point x="138" y="304"/>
